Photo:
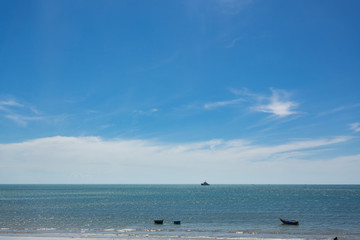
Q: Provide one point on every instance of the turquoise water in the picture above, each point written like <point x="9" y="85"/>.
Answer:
<point x="215" y="212"/>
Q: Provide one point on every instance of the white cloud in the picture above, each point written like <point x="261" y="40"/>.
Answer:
<point x="278" y="104"/>
<point x="355" y="126"/>
<point x="94" y="160"/>
<point x="147" y="112"/>
<point x="222" y="103"/>
<point x="10" y="103"/>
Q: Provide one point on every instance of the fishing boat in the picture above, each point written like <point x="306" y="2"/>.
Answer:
<point x="205" y="184"/>
<point x="177" y="222"/>
<point x="289" y="222"/>
<point x="159" y="221"/>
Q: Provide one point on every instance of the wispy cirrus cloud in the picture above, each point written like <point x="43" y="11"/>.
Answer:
<point x="23" y="120"/>
<point x="19" y="113"/>
<point x="6" y="105"/>
<point x="278" y="104"/>
<point x="233" y="42"/>
<point x="222" y="103"/>
<point x="147" y="112"/>
<point x="355" y="127"/>
<point x="340" y="109"/>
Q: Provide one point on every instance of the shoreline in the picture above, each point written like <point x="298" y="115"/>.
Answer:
<point x="149" y="237"/>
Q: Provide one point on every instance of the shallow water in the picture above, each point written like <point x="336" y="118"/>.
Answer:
<point x="211" y="212"/>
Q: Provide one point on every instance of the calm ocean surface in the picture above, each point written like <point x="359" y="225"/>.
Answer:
<point x="206" y="212"/>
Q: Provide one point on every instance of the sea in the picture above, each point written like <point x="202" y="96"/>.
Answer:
<point x="225" y="212"/>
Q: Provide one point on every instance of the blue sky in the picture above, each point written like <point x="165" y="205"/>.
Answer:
<point x="155" y="91"/>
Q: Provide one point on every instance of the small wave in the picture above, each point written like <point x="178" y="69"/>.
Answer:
<point x="154" y="230"/>
<point x="198" y="230"/>
<point x="126" y="230"/>
<point x="46" y="229"/>
<point x="201" y="237"/>
<point x="139" y="235"/>
<point x="109" y="230"/>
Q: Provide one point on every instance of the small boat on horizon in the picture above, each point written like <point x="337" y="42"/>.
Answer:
<point x="159" y="221"/>
<point x="205" y="184"/>
<point x="289" y="222"/>
<point x="177" y="222"/>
